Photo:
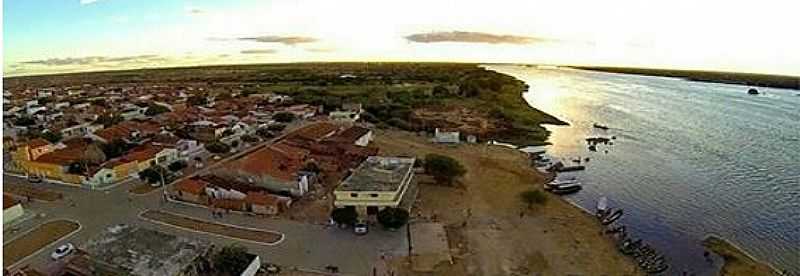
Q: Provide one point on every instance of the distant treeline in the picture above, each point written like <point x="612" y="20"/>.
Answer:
<point x="776" y="81"/>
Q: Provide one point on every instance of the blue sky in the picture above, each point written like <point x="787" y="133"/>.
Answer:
<point x="49" y="36"/>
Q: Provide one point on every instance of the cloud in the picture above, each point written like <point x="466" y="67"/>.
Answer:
<point x="471" y="37"/>
<point x="258" y="51"/>
<point x="87" y="2"/>
<point x="287" y="40"/>
<point x="320" y="50"/>
<point x="92" y="60"/>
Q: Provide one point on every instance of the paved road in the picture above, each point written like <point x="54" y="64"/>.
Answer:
<point x="305" y="245"/>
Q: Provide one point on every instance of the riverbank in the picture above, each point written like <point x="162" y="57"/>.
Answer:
<point x="737" y="262"/>
<point x="491" y="231"/>
<point x="775" y="81"/>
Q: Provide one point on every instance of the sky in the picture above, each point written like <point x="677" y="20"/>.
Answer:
<point x="53" y="36"/>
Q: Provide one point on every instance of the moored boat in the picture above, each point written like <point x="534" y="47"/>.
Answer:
<point x="612" y="217"/>
<point x="566" y="189"/>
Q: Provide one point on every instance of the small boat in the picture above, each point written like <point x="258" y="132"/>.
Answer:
<point x="752" y="91"/>
<point x="571" y="168"/>
<point x="603" y="127"/>
<point x="604" y="214"/>
<point x="657" y="268"/>
<point x="566" y="189"/>
<point x="628" y="246"/>
<point x="602" y="205"/>
<point x="617" y="229"/>
<point x="612" y="217"/>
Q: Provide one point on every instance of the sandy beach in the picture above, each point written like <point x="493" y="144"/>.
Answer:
<point x="491" y="231"/>
<point x="737" y="262"/>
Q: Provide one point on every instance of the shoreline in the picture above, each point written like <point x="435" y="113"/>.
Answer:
<point x="737" y="260"/>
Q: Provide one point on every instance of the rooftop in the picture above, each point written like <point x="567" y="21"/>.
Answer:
<point x="141" y="251"/>
<point x="378" y="173"/>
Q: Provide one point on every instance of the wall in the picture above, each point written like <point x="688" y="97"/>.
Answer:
<point x="12" y="213"/>
<point x="253" y="267"/>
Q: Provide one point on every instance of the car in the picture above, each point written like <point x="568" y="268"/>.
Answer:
<point x="198" y="165"/>
<point x="216" y="157"/>
<point x="361" y="228"/>
<point x="34" y="179"/>
<point x="62" y="251"/>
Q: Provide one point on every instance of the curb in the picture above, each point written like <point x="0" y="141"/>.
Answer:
<point x="68" y="235"/>
<point x="282" y="235"/>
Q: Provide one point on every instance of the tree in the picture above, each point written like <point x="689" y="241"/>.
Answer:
<point x="444" y="169"/>
<point x="94" y="154"/>
<point x="249" y="138"/>
<point x="218" y="148"/>
<point x="235" y="143"/>
<point x="78" y="167"/>
<point x="264" y="132"/>
<point x="25" y="121"/>
<point x="531" y="197"/>
<point x="284" y="117"/>
<point x="52" y="136"/>
<point x="153" y="174"/>
<point x="177" y="165"/>
<point x="231" y="260"/>
<point x="155" y="109"/>
<point x="276" y="127"/>
<point x="115" y="148"/>
<point x="108" y="120"/>
<point x="344" y="216"/>
<point x="391" y="217"/>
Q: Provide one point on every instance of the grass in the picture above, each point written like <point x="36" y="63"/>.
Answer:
<point x="213" y="228"/>
<point x="36" y="239"/>
<point x="32" y="192"/>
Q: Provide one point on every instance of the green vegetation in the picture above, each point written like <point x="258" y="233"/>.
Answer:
<point x="25" y="121"/>
<point x="218" y="148"/>
<point x="177" y="165"/>
<point x="531" y="197"/>
<point x="154" y="174"/>
<point x="777" y="81"/>
<point x="115" y="148"/>
<point x="155" y="109"/>
<point x="249" y="138"/>
<point x="393" y="217"/>
<point x="444" y="169"/>
<point x="108" y="120"/>
<point x="231" y="260"/>
<point x="284" y="117"/>
<point x="52" y="137"/>
<point x="344" y="216"/>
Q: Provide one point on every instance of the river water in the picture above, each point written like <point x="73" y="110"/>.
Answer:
<point x="689" y="159"/>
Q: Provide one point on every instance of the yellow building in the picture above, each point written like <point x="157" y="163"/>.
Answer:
<point x="377" y="183"/>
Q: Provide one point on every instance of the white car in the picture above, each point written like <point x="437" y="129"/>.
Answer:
<point x="361" y="228"/>
<point x="216" y="157"/>
<point x="62" y="251"/>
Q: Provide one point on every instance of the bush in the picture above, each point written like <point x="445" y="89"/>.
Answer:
<point x="278" y="127"/>
<point x="177" y="166"/>
<point x="52" y="137"/>
<point x="197" y="100"/>
<point x="393" y="217"/>
<point x="25" y="121"/>
<point x="231" y="260"/>
<point x="152" y="175"/>
<point x="532" y="197"/>
<point x="284" y="117"/>
<point x="400" y="123"/>
<point x="249" y="139"/>
<point x="344" y="216"/>
<point x="444" y="169"/>
<point x="264" y="132"/>
<point x="155" y="109"/>
<point x="218" y="148"/>
<point x="115" y="148"/>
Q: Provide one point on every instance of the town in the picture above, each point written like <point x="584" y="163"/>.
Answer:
<point x="173" y="176"/>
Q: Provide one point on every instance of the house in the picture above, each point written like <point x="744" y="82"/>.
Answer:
<point x="278" y="168"/>
<point x="133" y="113"/>
<point x="266" y="204"/>
<point x="315" y="132"/>
<point x="35" y="109"/>
<point x="344" y="116"/>
<point x="377" y="183"/>
<point x="12" y="209"/>
<point x="446" y="137"/>
<point x="354" y="135"/>
<point x="33" y="149"/>
<point x="128" y="131"/>
<point x="185" y="147"/>
<point x="78" y="130"/>
<point x="191" y="190"/>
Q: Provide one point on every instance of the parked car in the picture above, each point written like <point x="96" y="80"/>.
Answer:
<point x="216" y="157"/>
<point x="62" y="251"/>
<point x="361" y="228"/>
<point x="34" y="179"/>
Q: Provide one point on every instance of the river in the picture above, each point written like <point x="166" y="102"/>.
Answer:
<point x="689" y="159"/>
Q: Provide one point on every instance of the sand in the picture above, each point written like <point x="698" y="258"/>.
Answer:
<point x="501" y="235"/>
<point x="737" y="263"/>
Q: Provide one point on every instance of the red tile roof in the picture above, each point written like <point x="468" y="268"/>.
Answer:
<point x="63" y="156"/>
<point x="124" y="130"/>
<point x="8" y="201"/>
<point x="315" y="132"/>
<point x="350" y="135"/>
<point x="38" y="142"/>
<point x="191" y="186"/>
<point x="262" y="198"/>
<point x="143" y="152"/>
<point x="281" y="161"/>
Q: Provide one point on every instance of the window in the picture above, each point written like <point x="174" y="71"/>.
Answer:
<point x="373" y="195"/>
<point x="108" y="175"/>
<point x="353" y="194"/>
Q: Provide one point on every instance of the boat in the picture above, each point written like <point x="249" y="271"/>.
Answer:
<point x="620" y="228"/>
<point x="566" y="189"/>
<point x="628" y="246"/>
<point x="657" y="268"/>
<point x="602" y="205"/>
<point x="752" y="91"/>
<point x="612" y="217"/>
<point x="603" y="127"/>
<point x="570" y="168"/>
<point x="603" y="215"/>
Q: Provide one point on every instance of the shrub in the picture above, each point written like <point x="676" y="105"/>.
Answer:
<point x="249" y="139"/>
<point x="177" y="166"/>
<point x="231" y="260"/>
<point x="52" y="137"/>
<point x="155" y="109"/>
<point x="284" y="117"/>
<point x="393" y="217"/>
<point x="532" y="197"/>
<point x="444" y="169"/>
<point x="218" y="148"/>
<point x="345" y="216"/>
<point x="277" y="127"/>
